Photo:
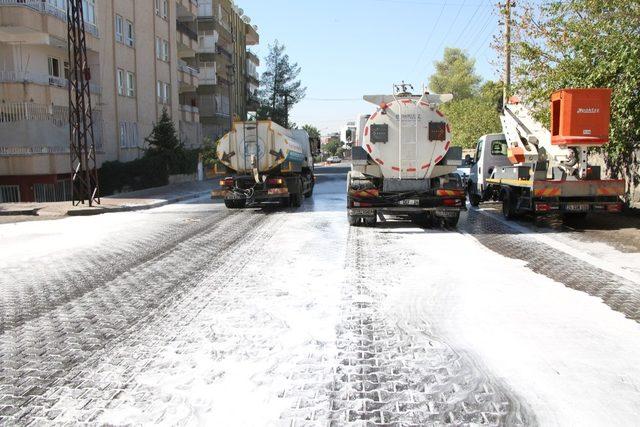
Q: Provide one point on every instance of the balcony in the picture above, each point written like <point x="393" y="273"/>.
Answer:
<point x="187" y="9"/>
<point x="189" y="114"/>
<point x="188" y="77"/>
<point x="187" y="41"/>
<point x="41" y="133"/>
<point x="44" y="7"/>
<point x="253" y="38"/>
<point x="208" y="73"/>
<point x="207" y="41"/>
<point x="252" y="57"/>
<point x="25" y="77"/>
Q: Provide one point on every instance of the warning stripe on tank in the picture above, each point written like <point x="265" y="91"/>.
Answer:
<point x="448" y="128"/>
<point x="411" y="169"/>
<point x="446" y="147"/>
<point x="373" y="116"/>
<point x="379" y="161"/>
<point x="439" y="113"/>
<point x="395" y="168"/>
<point x="438" y="159"/>
<point x="547" y="192"/>
<point x="407" y="101"/>
<point x="426" y="166"/>
<point x="369" y="149"/>
<point x="366" y="131"/>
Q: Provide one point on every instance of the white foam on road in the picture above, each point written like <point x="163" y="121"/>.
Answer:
<point x="565" y="354"/>
<point x="600" y="255"/>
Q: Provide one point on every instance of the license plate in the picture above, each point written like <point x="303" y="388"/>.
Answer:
<point x="447" y="214"/>
<point x="364" y="212"/>
<point x="409" y="202"/>
<point x="577" y="207"/>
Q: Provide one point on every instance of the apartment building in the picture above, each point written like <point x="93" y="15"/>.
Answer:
<point x="228" y="75"/>
<point x="143" y="58"/>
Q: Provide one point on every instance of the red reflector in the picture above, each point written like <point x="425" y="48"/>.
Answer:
<point x="542" y="207"/>
<point x="452" y="202"/>
<point x="275" y="181"/>
<point x="361" y="205"/>
<point x="615" y="208"/>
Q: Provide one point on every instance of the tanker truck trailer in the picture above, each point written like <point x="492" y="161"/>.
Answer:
<point x="403" y="162"/>
<point x="267" y="165"/>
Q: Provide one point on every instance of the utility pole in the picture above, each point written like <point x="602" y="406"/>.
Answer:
<point x="84" y="175"/>
<point x="286" y="110"/>
<point x="507" y="53"/>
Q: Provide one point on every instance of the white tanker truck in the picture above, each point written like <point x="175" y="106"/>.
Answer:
<point x="268" y="163"/>
<point x="403" y="162"/>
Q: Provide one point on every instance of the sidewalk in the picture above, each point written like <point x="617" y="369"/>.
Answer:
<point x="124" y="202"/>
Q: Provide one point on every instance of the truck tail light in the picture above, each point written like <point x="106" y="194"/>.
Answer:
<point x="617" y="207"/>
<point x="452" y="202"/>
<point x="542" y="207"/>
<point x="227" y="182"/>
<point x="275" y="181"/>
<point x="362" y="205"/>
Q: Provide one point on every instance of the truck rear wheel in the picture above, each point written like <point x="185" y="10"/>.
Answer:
<point x="509" y="201"/>
<point x="235" y="203"/>
<point x="474" y="200"/>
<point x="353" y="220"/>
<point x="310" y="193"/>
<point x="370" y="221"/>
<point x="295" y="200"/>
<point x="451" y="222"/>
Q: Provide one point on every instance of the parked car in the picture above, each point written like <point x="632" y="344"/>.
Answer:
<point x="334" y="159"/>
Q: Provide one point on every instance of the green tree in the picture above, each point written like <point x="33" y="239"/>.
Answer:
<point x="165" y="144"/>
<point x="332" y="146"/>
<point x="455" y="74"/>
<point x="280" y="87"/>
<point x="209" y="152"/>
<point x="584" y="43"/>
<point x="312" y="131"/>
<point x="470" y="119"/>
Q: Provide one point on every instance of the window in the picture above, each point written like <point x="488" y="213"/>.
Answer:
<point x="54" y="67"/>
<point x="119" y="29"/>
<point x="164" y="91"/>
<point x="130" y="35"/>
<point x="123" y="135"/>
<point x="479" y="150"/>
<point x="499" y="148"/>
<point x="89" y="9"/>
<point x="131" y="84"/>
<point x="120" y="81"/>
<point x="165" y="50"/>
<point x="162" y="49"/>
<point x="162" y="8"/>
<point x="128" y="135"/>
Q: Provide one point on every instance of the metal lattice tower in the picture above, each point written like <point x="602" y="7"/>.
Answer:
<point x="82" y="143"/>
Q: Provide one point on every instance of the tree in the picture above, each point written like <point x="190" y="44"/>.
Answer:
<point x="164" y="143"/>
<point x="280" y="87"/>
<point x="455" y="74"/>
<point x="332" y="146"/>
<point x="470" y="119"/>
<point x="585" y="43"/>
<point x="312" y="131"/>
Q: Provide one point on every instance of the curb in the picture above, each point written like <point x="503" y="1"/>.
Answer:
<point x="21" y="212"/>
<point x="100" y="210"/>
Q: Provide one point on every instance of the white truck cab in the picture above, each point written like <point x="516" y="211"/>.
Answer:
<point x="491" y="151"/>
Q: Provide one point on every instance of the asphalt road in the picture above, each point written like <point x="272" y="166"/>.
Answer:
<point x="193" y="314"/>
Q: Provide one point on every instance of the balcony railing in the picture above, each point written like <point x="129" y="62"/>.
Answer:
<point x="28" y="111"/>
<point x="11" y="76"/>
<point x="183" y="66"/>
<point x="186" y="30"/>
<point x="49" y="9"/>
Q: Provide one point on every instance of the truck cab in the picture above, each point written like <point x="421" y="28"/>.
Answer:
<point x="491" y="152"/>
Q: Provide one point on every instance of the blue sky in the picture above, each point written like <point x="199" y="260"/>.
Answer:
<point x="350" y="48"/>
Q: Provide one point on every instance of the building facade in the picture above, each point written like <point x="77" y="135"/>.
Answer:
<point x="226" y="67"/>
<point x="143" y="58"/>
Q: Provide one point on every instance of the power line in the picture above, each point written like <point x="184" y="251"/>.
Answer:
<point x="449" y="30"/>
<point x="430" y="3"/>
<point x="433" y="30"/>
<point x="467" y="26"/>
<point x="483" y="27"/>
